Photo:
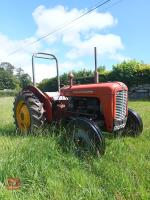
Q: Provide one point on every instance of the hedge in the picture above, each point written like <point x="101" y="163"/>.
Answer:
<point x="130" y="72"/>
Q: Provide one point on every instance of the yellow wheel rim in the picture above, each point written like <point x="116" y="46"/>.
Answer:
<point x="23" y="116"/>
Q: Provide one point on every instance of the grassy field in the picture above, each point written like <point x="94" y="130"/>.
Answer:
<point x="47" y="171"/>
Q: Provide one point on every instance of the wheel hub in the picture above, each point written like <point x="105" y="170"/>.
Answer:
<point x="23" y="116"/>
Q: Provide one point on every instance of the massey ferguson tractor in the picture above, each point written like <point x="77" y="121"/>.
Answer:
<point x="88" y="110"/>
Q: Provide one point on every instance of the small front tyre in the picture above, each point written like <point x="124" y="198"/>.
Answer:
<point x="134" y="125"/>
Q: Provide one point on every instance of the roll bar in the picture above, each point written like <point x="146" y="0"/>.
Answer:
<point x="45" y="56"/>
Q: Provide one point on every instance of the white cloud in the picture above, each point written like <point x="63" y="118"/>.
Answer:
<point x="48" y="20"/>
<point x="119" y="57"/>
<point x="80" y="36"/>
<point x="43" y="71"/>
<point x="70" y="66"/>
<point x="22" y="57"/>
<point x="106" y="44"/>
<point x="75" y="41"/>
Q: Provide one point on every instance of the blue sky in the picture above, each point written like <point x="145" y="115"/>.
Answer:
<point x="119" y="32"/>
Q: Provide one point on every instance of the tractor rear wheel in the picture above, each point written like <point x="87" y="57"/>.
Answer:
<point x="134" y="125"/>
<point x="86" y="137"/>
<point x="28" y="112"/>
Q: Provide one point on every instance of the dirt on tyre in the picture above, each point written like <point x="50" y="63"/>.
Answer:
<point x="28" y="112"/>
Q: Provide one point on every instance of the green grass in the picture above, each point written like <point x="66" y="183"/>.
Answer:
<point x="6" y="115"/>
<point x="47" y="171"/>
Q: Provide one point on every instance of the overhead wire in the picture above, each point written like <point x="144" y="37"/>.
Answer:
<point x="66" y="24"/>
<point x="97" y="5"/>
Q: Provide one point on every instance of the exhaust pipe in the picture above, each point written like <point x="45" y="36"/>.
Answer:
<point x="96" y="76"/>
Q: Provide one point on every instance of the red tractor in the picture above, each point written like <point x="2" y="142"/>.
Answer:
<point x="87" y="109"/>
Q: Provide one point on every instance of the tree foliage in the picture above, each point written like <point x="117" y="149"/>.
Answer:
<point x="10" y="80"/>
<point x="23" y="78"/>
<point x="130" y="72"/>
<point x="51" y="84"/>
<point x="7" y="67"/>
<point x="101" y="69"/>
<point x="7" y="78"/>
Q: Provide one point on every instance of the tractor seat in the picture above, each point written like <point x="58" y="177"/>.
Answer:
<point x="55" y="96"/>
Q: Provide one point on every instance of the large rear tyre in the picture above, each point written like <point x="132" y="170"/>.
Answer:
<point x="28" y="112"/>
<point x="134" y="125"/>
<point x="86" y="137"/>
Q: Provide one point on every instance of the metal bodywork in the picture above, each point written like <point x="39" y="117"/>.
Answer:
<point x="111" y="98"/>
<point x="106" y="95"/>
<point x="56" y="104"/>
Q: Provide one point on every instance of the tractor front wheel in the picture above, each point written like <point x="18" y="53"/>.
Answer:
<point x="134" y="125"/>
<point x="28" y="112"/>
<point x="86" y="137"/>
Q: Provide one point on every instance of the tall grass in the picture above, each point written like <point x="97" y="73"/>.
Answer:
<point x="48" y="171"/>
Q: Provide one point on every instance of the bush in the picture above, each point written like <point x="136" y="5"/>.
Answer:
<point x="129" y="72"/>
<point x="49" y="85"/>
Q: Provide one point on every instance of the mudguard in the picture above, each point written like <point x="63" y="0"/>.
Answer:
<point x="92" y="132"/>
<point x="134" y="125"/>
<point x="44" y="99"/>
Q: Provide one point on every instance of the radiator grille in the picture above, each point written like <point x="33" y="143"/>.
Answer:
<point x="121" y="103"/>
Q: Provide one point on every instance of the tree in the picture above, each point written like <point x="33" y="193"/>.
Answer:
<point x="8" y="67"/>
<point x="131" y="72"/>
<point x="101" y="69"/>
<point x="23" y="78"/>
<point x="10" y="80"/>
<point x="83" y="73"/>
<point x="7" y="80"/>
<point x="51" y="84"/>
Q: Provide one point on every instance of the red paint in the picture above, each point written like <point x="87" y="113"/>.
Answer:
<point x="47" y="105"/>
<point x="105" y="92"/>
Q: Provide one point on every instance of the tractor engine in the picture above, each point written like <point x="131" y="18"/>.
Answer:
<point x="88" y="107"/>
<point x="103" y="103"/>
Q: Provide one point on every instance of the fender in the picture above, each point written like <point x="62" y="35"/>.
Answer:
<point x="97" y="134"/>
<point x="43" y="98"/>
